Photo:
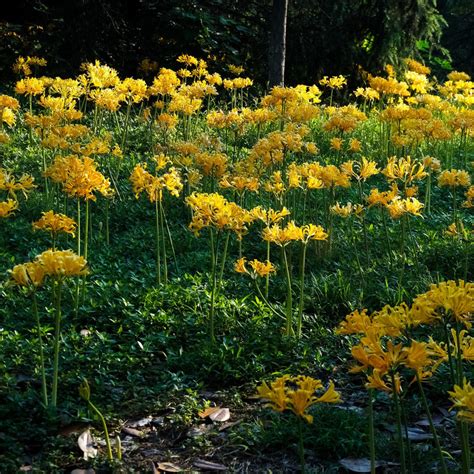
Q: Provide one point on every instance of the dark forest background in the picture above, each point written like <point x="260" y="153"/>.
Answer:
<point x="324" y="37"/>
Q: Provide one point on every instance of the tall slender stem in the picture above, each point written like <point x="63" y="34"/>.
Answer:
<point x="125" y="129"/>
<point x="448" y="349"/>
<point x="57" y="335"/>
<point x="223" y="260"/>
<point x="301" y="445"/>
<point x="399" y="425"/>
<point x="163" y="242"/>
<point x="158" y="252"/>
<point x="213" y="286"/>
<point x="432" y="426"/>
<point x="104" y="427"/>
<point x="107" y="223"/>
<point x="86" y="231"/>
<point x="371" y="431"/>
<point x="78" y="227"/>
<point x="387" y="236"/>
<point x="267" y="278"/>
<point x="289" y="297"/>
<point x="44" y="388"/>
<point x="301" y="301"/>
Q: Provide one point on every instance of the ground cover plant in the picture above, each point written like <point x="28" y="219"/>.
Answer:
<point x="202" y="275"/>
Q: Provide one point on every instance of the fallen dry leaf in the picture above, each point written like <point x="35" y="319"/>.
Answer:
<point x="208" y="411"/>
<point x="228" y="425"/>
<point x="417" y="434"/>
<point x="86" y="443"/>
<point x="169" y="467"/>
<point x="221" y="415"/>
<point x="208" y="465"/>
<point x="353" y="464"/>
<point x="132" y="432"/>
<point x="357" y="465"/>
<point x="198" y="430"/>
<point x="140" y="423"/>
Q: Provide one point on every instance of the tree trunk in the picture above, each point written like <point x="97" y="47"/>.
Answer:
<point x="277" y="50"/>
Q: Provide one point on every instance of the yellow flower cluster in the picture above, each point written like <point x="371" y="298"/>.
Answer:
<point x="463" y="398"/>
<point x="213" y="210"/>
<point x="55" y="223"/>
<point x="454" y="178"/>
<point x="240" y="183"/>
<point x="347" y="210"/>
<point x="270" y="216"/>
<point x="11" y="185"/>
<point x="405" y="170"/>
<point x="282" y="236"/>
<point x="8" y="207"/>
<point x="79" y="177"/>
<point x="297" y="394"/>
<point x="30" y="86"/>
<point x="397" y="207"/>
<point x="23" y="65"/>
<point x="143" y="181"/>
<point x="383" y="359"/>
<point x="334" y="82"/>
<point x="261" y="269"/>
<point x="344" y="119"/>
<point x="57" y="264"/>
<point x="455" y="299"/>
<point x="8" y="107"/>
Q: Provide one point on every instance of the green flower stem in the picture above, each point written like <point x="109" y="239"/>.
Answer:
<point x="387" y="236"/>
<point x="301" y="301"/>
<point x="104" y="427"/>
<point x="450" y="357"/>
<point x="158" y="252"/>
<point x="223" y="260"/>
<point x="163" y="244"/>
<point x="214" y="250"/>
<point x="462" y="426"/>
<point x="467" y="246"/>
<point x="57" y="336"/>
<point x="289" y="298"/>
<point x="364" y="224"/>
<point x="460" y="373"/>
<point x="356" y="252"/>
<point x="78" y="227"/>
<point x="86" y="231"/>
<point x="125" y="128"/>
<point x="44" y="388"/>
<point x="401" y="447"/>
<point x="371" y="431"/>
<point x="301" y="445"/>
<point x="107" y="222"/>
<point x="45" y="167"/>
<point x="428" y="193"/>
<point x="165" y="220"/>
<point x="118" y="447"/>
<point x="267" y="278"/>
<point x="407" y="439"/>
<point x="454" y="205"/>
<point x="264" y="299"/>
<point x="432" y="427"/>
<point x="465" y="449"/>
<point x="94" y="123"/>
<point x="403" y="253"/>
<point x="30" y="130"/>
